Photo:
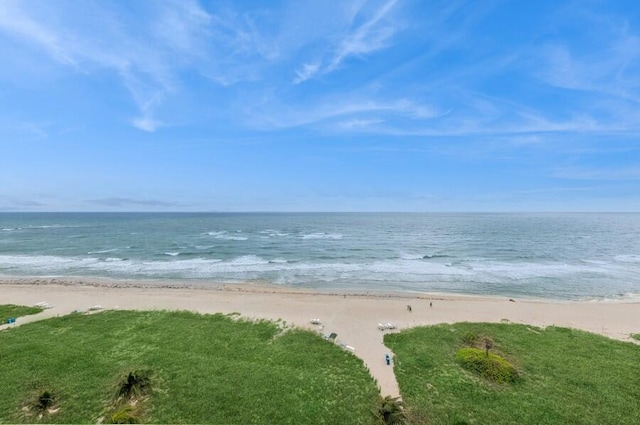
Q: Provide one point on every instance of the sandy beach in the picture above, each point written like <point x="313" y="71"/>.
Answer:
<point x="353" y="316"/>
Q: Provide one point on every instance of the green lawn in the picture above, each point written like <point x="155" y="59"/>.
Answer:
<point x="205" y="369"/>
<point x="10" y="310"/>
<point x="566" y="376"/>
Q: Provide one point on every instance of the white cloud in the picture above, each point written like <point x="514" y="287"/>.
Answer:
<point x="359" y="124"/>
<point x="357" y="40"/>
<point x="146" y="51"/>
<point x="146" y="124"/>
<point x="308" y="70"/>
<point x="599" y="173"/>
<point x="367" y="38"/>
<point x="347" y="107"/>
<point x="610" y="66"/>
<point x="17" y="23"/>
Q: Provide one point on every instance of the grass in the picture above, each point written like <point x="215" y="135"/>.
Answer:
<point x="10" y="310"/>
<point x="635" y="336"/>
<point x="566" y="376"/>
<point x="204" y="369"/>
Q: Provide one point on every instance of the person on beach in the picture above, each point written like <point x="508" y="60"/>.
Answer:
<point x="409" y="308"/>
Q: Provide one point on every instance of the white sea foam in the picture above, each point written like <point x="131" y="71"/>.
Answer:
<point x="278" y="261"/>
<point x="322" y="236"/>
<point x="104" y="251"/>
<point x="273" y="233"/>
<point x="630" y="258"/>
<point x="224" y="235"/>
<point x="172" y="254"/>
<point x="399" y="269"/>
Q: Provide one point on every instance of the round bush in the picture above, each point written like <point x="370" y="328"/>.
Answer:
<point x="491" y="367"/>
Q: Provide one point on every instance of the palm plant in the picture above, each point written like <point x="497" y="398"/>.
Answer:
<point x="488" y="345"/>
<point x="135" y="385"/>
<point x="391" y="411"/>
<point x="45" y="401"/>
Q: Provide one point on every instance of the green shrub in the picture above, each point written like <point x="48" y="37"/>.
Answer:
<point x="636" y="337"/>
<point x="491" y="366"/>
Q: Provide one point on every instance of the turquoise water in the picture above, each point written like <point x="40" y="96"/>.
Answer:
<point x="561" y="256"/>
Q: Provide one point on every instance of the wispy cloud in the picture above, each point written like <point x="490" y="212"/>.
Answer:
<point x="355" y="109"/>
<point x="11" y="203"/>
<point x="129" y="202"/>
<point x="308" y="70"/>
<point x="361" y="38"/>
<point x="17" y="22"/>
<point x="147" y="51"/>
<point x="629" y="173"/>
<point x="365" y="38"/>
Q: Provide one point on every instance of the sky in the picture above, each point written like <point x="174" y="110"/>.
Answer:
<point x="332" y="105"/>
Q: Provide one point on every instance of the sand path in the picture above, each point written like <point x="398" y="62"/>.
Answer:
<point x="354" y="317"/>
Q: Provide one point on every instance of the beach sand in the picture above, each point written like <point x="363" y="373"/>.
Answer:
<point x="354" y="317"/>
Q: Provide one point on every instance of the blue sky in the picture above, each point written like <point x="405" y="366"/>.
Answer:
<point x="347" y="105"/>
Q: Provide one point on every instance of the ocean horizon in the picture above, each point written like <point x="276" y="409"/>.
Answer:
<point x="566" y="256"/>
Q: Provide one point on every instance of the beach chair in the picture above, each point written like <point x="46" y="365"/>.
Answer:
<point x="381" y="326"/>
<point x="331" y="337"/>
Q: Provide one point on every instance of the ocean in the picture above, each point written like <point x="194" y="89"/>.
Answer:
<point x="552" y="256"/>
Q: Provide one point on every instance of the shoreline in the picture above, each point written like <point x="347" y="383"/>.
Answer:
<point x="267" y="287"/>
<point x="355" y="317"/>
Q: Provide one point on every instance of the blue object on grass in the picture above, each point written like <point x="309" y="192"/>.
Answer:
<point x="388" y="359"/>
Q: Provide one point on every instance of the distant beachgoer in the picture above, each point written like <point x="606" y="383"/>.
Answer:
<point x="430" y="304"/>
<point x="409" y="308"/>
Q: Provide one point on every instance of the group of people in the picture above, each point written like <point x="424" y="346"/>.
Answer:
<point x="410" y="309"/>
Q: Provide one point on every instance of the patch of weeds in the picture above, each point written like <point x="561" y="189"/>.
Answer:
<point x="125" y="414"/>
<point x="487" y="365"/>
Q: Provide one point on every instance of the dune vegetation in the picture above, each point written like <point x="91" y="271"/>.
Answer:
<point x="8" y="311"/>
<point x="183" y="367"/>
<point x="449" y="374"/>
<point x="179" y="367"/>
